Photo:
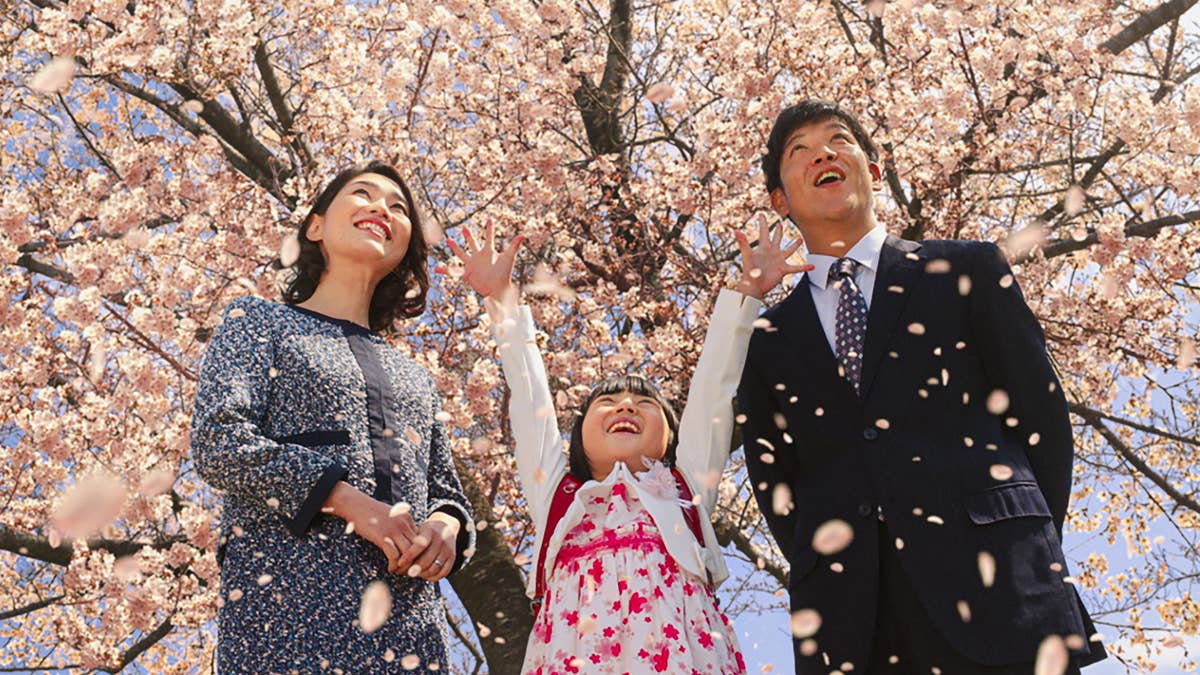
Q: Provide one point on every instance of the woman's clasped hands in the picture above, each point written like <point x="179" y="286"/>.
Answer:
<point x="426" y="550"/>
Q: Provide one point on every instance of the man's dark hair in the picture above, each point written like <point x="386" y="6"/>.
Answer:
<point x="809" y="111"/>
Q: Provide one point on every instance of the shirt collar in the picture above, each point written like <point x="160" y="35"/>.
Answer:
<point x="866" y="252"/>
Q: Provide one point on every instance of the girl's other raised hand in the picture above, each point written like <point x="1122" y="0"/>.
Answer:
<point x="765" y="265"/>
<point x="488" y="272"/>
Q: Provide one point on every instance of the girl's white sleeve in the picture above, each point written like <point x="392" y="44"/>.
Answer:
<point x="706" y="426"/>
<point x="540" y="460"/>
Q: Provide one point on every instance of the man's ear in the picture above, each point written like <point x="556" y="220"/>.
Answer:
<point x="316" y="227"/>
<point x="779" y="202"/>
<point x="876" y="175"/>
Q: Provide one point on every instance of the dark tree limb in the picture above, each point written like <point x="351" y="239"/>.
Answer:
<point x="1144" y="230"/>
<point x="38" y="547"/>
<point x="492" y="579"/>
<point x="1095" y="421"/>
<point x="31" y="607"/>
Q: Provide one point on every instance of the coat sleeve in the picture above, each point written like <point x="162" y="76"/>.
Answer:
<point x="706" y="425"/>
<point x="231" y="450"/>
<point x="539" y="445"/>
<point x="445" y="489"/>
<point x="771" y="480"/>
<point x="1013" y="350"/>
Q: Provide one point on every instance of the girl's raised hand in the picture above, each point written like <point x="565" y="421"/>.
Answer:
<point x="486" y="271"/>
<point x="765" y="265"/>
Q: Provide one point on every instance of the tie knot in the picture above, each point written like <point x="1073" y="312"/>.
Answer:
<point x="843" y="268"/>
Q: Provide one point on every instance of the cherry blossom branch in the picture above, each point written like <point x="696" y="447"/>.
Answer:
<point x="39" y="547"/>
<point x="728" y="532"/>
<point x="279" y="102"/>
<point x="1097" y="422"/>
<point x="1147" y="23"/>
<point x="1080" y="409"/>
<point x="462" y="637"/>
<point x="1144" y="230"/>
<point x="142" y="645"/>
<point x="31" y="607"/>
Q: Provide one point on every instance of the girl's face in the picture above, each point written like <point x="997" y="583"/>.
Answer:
<point x="623" y="427"/>
<point x="366" y="224"/>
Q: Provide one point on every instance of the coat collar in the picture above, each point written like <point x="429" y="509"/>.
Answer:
<point x="796" y="317"/>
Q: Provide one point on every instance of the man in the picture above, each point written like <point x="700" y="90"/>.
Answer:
<point x="908" y="440"/>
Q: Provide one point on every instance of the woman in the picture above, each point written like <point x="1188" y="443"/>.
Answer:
<point x="323" y="439"/>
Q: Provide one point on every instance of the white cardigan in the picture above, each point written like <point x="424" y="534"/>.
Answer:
<point x="705" y="429"/>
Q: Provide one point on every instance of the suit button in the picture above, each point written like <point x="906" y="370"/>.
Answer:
<point x="865" y="510"/>
<point x="870" y="434"/>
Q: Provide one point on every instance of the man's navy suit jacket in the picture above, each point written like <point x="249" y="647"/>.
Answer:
<point x="960" y="486"/>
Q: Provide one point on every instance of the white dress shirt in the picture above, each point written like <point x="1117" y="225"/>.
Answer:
<point x="866" y="253"/>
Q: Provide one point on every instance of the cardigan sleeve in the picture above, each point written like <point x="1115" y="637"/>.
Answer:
<point x="539" y="445"/>
<point x="446" y="492"/>
<point x="706" y="425"/>
<point x="231" y="450"/>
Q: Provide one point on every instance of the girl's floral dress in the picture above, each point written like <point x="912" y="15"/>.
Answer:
<point x="617" y="603"/>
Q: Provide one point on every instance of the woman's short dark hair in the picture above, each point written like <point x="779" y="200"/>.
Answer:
<point x="809" y="111"/>
<point x="634" y="384"/>
<point x="399" y="294"/>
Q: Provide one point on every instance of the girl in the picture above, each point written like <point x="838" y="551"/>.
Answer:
<point x="314" y="427"/>
<point x="625" y="559"/>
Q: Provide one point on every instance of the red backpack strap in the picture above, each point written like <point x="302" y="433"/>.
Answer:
<point x="564" y="494"/>
<point x="691" y="514"/>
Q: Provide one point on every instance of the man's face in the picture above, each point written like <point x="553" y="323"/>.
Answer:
<point x="827" y="178"/>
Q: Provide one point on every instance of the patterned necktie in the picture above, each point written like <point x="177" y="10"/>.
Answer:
<point x="850" y="326"/>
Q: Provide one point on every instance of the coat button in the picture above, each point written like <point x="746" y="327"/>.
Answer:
<point x="870" y="434"/>
<point x="865" y="510"/>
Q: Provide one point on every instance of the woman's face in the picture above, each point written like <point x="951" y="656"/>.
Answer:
<point x="367" y="223"/>
<point x="623" y="427"/>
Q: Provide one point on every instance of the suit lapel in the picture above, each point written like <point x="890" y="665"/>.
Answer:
<point x="899" y="269"/>
<point x="796" y="317"/>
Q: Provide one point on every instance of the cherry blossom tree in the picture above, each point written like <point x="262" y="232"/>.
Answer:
<point x="156" y="156"/>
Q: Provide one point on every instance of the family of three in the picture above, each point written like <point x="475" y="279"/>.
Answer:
<point x="905" y="435"/>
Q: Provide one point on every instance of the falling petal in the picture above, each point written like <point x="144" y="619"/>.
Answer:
<point x="987" y="568"/>
<point x="54" y="76"/>
<point x="875" y="8"/>
<point x="264" y="579"/>
<point x="997" y="402"/>
<point x="289" y="250"/>
<point x="1025" y="240"/>
<point x="964" y="611"/>
<point x="1052" y="658"/>
<point x="964" y="285"/>
<point x="781" y="499"/>
<point x="660" y="92"/>
<point x="156" y="483"/>
<point x="1001" y="471"/>
<point x="88" y="506"/>
<point x="193" y="106"/>
<point x="96" y="364"/>
<point x="1187" y="353"/>
<point x="136" y="238"/>
<point x="539" y="475"/>
<point x="521" y="559"/>
<point x="434" y="234"/>
<point x="805" y="623"/>
<point x="442" y="416"/>
<point x="399" y="509"/>
<point x="937" y="266"/>
<point x="916" y="328"/>
<point x="832" y="537"/>
<point x="412" y="435"/>
<point x="410" y="662"/>
<point x="1073" y="201"/>
<point x="376" y="607"/>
